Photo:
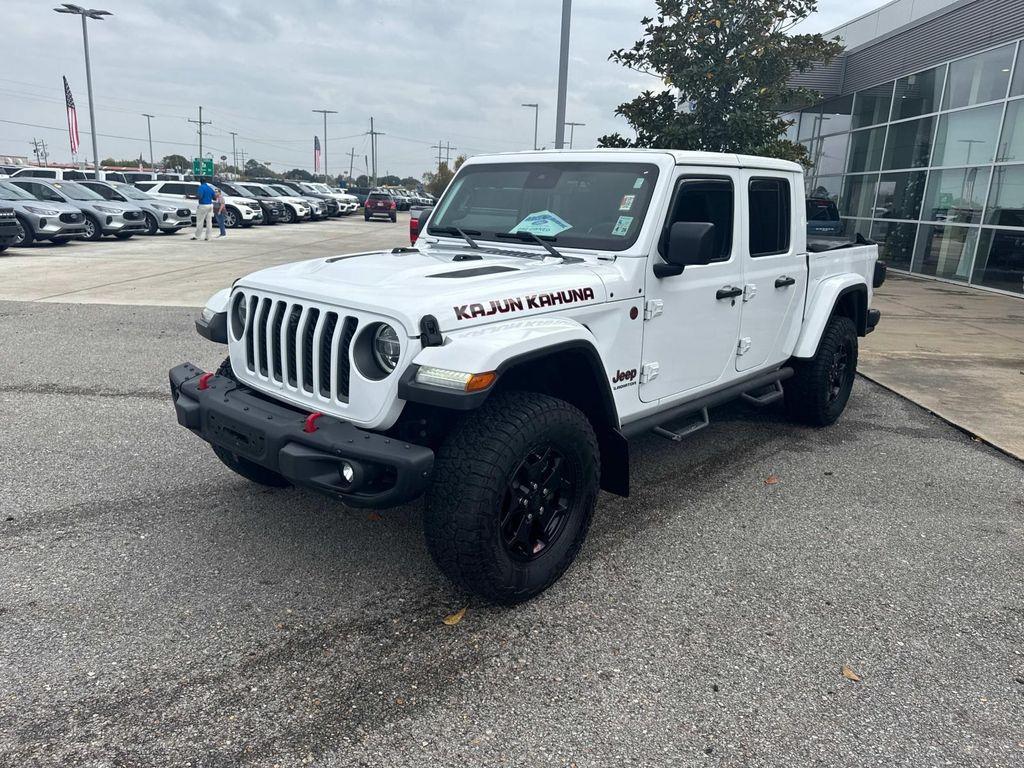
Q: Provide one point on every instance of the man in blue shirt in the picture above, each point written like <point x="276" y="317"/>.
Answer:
<point x="204" y="212"/>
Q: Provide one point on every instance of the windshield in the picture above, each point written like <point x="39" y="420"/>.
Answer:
<point x="75" y="191"/>
<point x="131" y="192"/>
<point x="11" y="192"/>
<point x="284" y="191"/>
<point x="581" y="204"/>
<point x="321" y="188"/>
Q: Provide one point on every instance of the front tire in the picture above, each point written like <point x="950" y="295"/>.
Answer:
<point x="152" y="225"/>
<point x="290" y="217"/>
<point x="514" y="490"/>
<point x="25" y="236"/>
<point x="820" y="388"/>
<point x="93" y="229"/>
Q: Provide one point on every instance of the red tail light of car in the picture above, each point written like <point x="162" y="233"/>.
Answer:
<point x="414" y="230"/>
<point x="393" y="206"/>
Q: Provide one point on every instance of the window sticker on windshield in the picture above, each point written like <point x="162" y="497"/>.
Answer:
<point x="627" y="202"/>
<point x="622" y="226"/>
<point x="638" y="183"/>
<point x="542" y="223"/>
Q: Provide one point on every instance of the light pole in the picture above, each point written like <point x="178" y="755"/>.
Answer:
<point x="325" y="113"/>
<point x="96" y="15"/>
<point x="572" y="131"/>
<point x="149" y="130"/>
<point x="536" y="116"/>
<point x="563" y="76"/>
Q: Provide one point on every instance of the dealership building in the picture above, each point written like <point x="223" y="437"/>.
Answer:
<point x="919" y="137"/>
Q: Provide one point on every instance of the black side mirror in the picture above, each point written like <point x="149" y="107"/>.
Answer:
<point x="689" y="243"/>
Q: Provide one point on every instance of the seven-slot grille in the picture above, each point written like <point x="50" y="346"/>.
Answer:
<point x="70" y="218"/>
<point x="132" y="215"/>
<point x="300" y="347"/>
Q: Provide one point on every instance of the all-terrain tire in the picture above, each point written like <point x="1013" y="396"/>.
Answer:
<point x="820" y="388"/>
<point x="240" y="465"/>
<point x="476" y="490"/>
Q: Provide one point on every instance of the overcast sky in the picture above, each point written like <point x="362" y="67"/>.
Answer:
<point x="448" y="70"/>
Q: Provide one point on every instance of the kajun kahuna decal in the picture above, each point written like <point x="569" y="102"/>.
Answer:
<point x="522" y="303"/>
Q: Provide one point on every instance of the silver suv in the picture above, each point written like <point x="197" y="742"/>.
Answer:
<point x="54" y="221"/>
<point x="102" y="217"/>
<point x="161" y="215"/>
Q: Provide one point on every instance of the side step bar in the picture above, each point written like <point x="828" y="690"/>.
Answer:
<point x="710" y="400"/>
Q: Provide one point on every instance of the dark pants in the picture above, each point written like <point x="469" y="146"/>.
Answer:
<point x="220" y="223"/>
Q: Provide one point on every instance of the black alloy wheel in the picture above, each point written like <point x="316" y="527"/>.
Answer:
<point x="536" y="504"/>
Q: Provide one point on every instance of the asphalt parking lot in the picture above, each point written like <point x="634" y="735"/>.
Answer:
<point x="155" y="609"/>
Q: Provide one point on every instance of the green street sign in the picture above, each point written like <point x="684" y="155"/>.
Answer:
<point x="202" y="166"/>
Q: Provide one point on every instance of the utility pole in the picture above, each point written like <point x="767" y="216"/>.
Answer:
<point x="563" y="76"/>
<point x="325" y="113"/>
<point x="536" y="117"/>
<point x="448" y="153"/>
<point x="373" y="149"/>
<point x="366" y="162"/>
<point x="242" y="153"/>
<point x="234" y="154"/>
<point x="35" y="150"/>
<point x="572" y="131"/>
<point x="96" y="15"/>
<point x="351" y="162"/>
<point x="200" y="122"/>
<point x="439" y="146"/>
<point x="46" y="153"/>
<point x="149" y="130"/>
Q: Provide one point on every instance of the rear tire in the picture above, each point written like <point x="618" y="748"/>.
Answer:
<point x="514" y="489"/>
<point x="242" y="466"/>
<point x="820" y="388"/>
<point x="231" y="218"/>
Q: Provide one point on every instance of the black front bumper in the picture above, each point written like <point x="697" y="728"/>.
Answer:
<point x="388" y="471"/>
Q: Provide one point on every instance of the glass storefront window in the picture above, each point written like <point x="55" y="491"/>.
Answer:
<point x="809" y="120"/>
<point x="945" y="251"/>
<point x="1006" y="197"/>
<point x="909" y="144"/>
<point x="865" y="150"/>
<point x="836" y="114"/>
<point x="956" y="195"/>
<point x="895" y="242"/>
<point x="978" y="79"/>
<point x="899" y="195"/>
<point x="1011" y="143"/>
<point x="1000" y="260"/>
<point x="853" y="227"/>
<point x="826" y="187"/>
<point x="968" y="136"/>
<point x="830" y="154"/>
<point x="1017" y="86"/>
<point x="858" y="196"/>
<point x="918" y="94"/>
<point x="871" y="106"/>
<point x="791" y="131"/>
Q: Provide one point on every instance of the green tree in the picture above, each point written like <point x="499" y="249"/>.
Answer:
<point x="299" y="174"/>
<point x="389" y="181"/>
<point x="726" y="66"/>
<point x="176" y="161"/>
<point x="435" y="182"/>
<point x="254" y="169"/>
<point x="362" y="180"/>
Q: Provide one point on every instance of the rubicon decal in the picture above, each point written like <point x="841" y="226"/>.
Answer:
<point x="521" y="303"/>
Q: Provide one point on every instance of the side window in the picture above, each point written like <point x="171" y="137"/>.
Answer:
<point x="145" y="186"/>
<point x="703" y="199"/>
<point x="43" y="192"/>
<point x="770" y="219"/>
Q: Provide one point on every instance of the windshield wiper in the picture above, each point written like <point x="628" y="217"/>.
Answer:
<point x="530" y="237"/>
<point x="463" y="233"/>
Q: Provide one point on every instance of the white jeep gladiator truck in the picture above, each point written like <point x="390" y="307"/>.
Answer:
<point x="556" y="305"/>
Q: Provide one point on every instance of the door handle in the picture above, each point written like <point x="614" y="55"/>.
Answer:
<point x="782" y="282"/>
<point x="728" y="292"/>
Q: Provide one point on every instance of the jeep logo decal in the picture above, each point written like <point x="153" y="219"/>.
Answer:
<point x="519" y="303"/>
<point x="624" y="376"/>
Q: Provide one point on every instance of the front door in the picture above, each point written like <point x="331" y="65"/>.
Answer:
<point x="774" y="271"/>
<point x="690" y="338"/>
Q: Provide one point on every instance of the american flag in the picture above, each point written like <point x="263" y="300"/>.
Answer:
<point x="316" y="154"/>
<point x="72" y="117"/>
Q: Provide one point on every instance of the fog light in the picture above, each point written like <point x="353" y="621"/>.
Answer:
<point x="42" y="223"/>
<point x="348" y="472"/>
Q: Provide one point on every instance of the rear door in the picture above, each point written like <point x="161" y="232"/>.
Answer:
<point x="774" y="269"/>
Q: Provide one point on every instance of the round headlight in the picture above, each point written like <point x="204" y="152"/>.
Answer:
<point x="386" y="348"/>
<point x="239" y="309"/>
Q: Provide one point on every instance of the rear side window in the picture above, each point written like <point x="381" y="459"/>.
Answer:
<point x="145" y="186"/>
<point x="40" y="174"/>
<point x="821" y="210"/>
<point x="769" y="216"/>
<point x="182" y="188"/>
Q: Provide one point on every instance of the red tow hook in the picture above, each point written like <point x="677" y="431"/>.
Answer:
<point x="204" y="380"/>
<point x="310" y="425"/>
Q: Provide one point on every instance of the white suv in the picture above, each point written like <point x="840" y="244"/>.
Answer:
<point x="241" y="211"/>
